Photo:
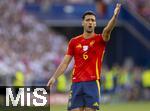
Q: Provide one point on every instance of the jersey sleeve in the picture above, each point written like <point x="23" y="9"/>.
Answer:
<point x="100" y="39"/>
<point x="70" y="48"/>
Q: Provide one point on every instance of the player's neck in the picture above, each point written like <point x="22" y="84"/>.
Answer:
<point x="88" y="35"/>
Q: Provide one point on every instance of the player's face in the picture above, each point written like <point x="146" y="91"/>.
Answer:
<point x="89" y="23"/>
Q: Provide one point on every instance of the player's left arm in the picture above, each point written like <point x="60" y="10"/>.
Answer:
<point x="107" y="30"/>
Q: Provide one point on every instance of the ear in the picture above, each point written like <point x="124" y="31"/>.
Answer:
<point x="95" y="24"/>
<point x="82" y="23"/>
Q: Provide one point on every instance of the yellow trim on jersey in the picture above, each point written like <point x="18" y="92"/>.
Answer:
<point x="97" y="69"/>
<point x="103" y="55"/>
<point x="79" y="46"/>
<point x="73" y="71"/>
<point x="98" y="86"/>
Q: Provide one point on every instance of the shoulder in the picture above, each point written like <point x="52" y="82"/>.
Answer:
<point x="99" y="37"/>
<point x="76" y="38"/>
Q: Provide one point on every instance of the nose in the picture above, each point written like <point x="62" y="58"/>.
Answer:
<point x="90" y="22"/>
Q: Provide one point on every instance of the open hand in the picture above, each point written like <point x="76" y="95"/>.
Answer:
<point x="51" y="82"/>
<point x="117" y="9"/>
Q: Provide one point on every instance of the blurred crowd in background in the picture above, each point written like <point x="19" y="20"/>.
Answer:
<point x="140" y="7"/>
<point x="129" y="82"/>
<point x="30" y="52"/>
<point x="27" y="45"/>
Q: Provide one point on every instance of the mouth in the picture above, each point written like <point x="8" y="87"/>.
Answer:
<point x="90" y="26"/>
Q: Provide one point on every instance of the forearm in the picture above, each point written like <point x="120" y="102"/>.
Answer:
<point x="62" y="67"/>
<point x="60" y="70"/>
<point x="111" y="24"/>
<point x="107" y="30"/>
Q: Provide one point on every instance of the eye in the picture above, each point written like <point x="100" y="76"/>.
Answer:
<point x="92" y="20"/>
<point x="87" y="20"/>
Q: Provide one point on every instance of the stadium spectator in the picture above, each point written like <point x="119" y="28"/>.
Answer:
<point x="27" y="44"/>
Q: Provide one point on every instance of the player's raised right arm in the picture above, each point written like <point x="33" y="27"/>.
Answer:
<point x="107" y="30"/>
<point x="60" y="70"/>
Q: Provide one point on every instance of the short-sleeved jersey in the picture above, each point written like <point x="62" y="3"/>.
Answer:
<point x="88" y="56"/>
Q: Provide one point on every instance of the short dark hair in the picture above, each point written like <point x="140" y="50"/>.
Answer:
<point x="88" y="13"/>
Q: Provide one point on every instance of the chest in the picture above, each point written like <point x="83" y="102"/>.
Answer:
<point x="88" y="46"/>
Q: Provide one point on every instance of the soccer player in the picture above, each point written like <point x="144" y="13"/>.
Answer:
<point x="88" y="50"/>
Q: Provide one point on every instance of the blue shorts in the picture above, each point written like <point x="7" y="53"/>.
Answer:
<point x="84" y="94"/>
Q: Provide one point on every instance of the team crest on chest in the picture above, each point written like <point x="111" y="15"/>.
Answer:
<point x="85" y="48"/>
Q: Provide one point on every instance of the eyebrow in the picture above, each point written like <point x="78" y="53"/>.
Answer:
<point x="90" y="18"/>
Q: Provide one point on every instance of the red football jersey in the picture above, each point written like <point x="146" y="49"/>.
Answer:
<point x="88" y="56"/>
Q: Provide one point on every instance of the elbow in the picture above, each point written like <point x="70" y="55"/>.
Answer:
<point x="106" y="39"/>
<point x="106" y="36"/>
